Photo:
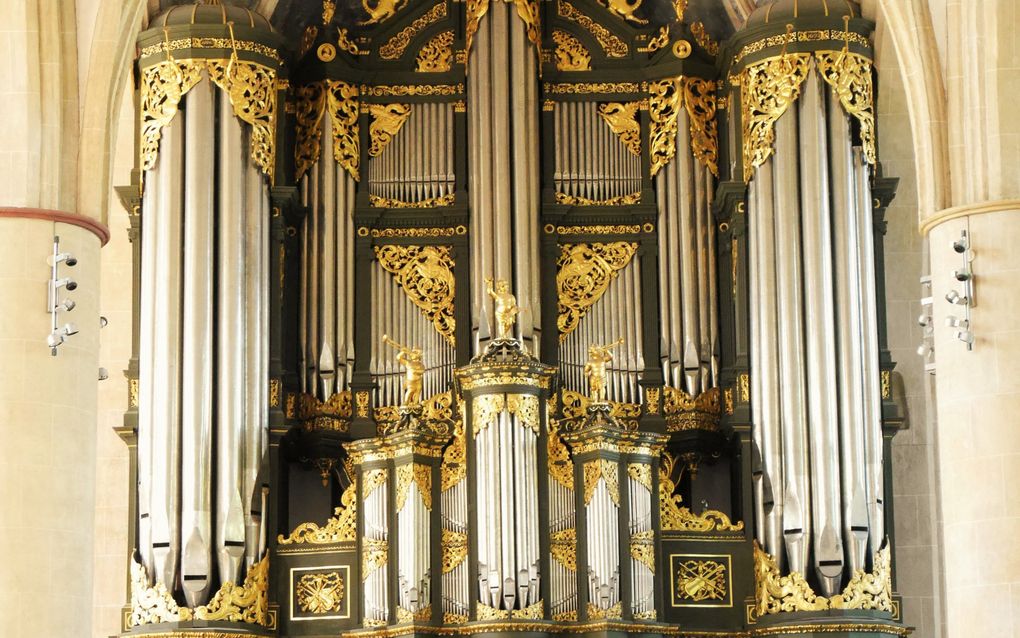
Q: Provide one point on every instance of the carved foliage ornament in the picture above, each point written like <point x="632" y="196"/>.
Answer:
<point x="342" y="527"/>
<point x="571" y="55"/>
<point x="610" y="43"/>
<point x="394" y="48"/>
<point x="313" y="101"/>
<point x="563" y="547"/>
<point x="437" y="54"/>
<point x="387" y="120"/>
<point x="625" y="9"/>
<point x="642" y="548"/>
<point x="675" y="517"/>
<point x="425" y="274"/>
<point x="769" y="87"/>
<point x="584" y="272"/>
<point x="454" y="468"/>
<point x="250" y="86"/>
<point x="602" y="469"/>
<point x="381" y="10"/>
<point x="665" y="100"/>
<point x="455" y="548"/>
<point x="622" y="120"/>
<point x="528" y="10"/>
<point x="320" y="593"/>
<point x="486" y="407"/>
<point x="619" y="200"/>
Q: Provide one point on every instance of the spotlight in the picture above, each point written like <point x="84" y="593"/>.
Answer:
<point x="962" y="275"/>
<point x="954" y="297"/>
<point x="923" y="350"/>
<point x="66" y="282"/>
<point x="962" y="244"/>
<point x="965" y="336"/>
<point x="953" y="322"/>
<point x="69" y="329"/>
<point x="67" y="304"/>
<point x="103" y="322"/>
<point x="924" y="320"/>
<point x="103" y="374"/>
<point x="66" y="258"/>
<point x="54" y="340"/>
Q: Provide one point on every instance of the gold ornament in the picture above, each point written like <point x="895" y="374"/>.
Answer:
<point x="767" y="89"/>
<point x="744" y="384"/>
<point x="849" y="75"/>
<point x="869" y="590"/>
<point x="684" y="412"/>
<point x="328" y="9"/>
<point x="583" y="88"/>
<point x="606" y="470"/>
<point x="531" y="612"/>
<point x="248" y="603"/>
<point x="613" y="46"/>
<point x="404" y="474"/>
<point x="563" y="547"/>
<point x="402" y="90"/>
<point x="571" y="55"/>
<point x="132" y="393"/>
<point x="394" y="48"/>
<point x="675" y="517"/>
<point x="813" y="36"/>
<point x="326" y="52"/>
<point x="701" y="580"/>
<point x="307" y="40"/>
<point x="345" y="43"/>
<point x="775" y="593"/>
<point x="341" y="528"/>
<point x="387" y="120"/>
<point x="594" y="230"/>
<point x="598" y="613"/>
<point x="702" y="37"/>
<point x="886" y="381"/>
<point x="474" y="10"/>
<point x="652" y="400"/>
<point x="506" y="307"/>
<point x="454" y="467"/>
<point x="320" y="593"/>
<point x="418" y="232"/>
<point x="234" y="44"/>
<point x="381" y="10"/>
<point x="575" y="407"/>
<point x="561" y="468"/>
<point x="622" y="120"/>
<point x="152" y="604"/>
<point x="619" y="200"/>
<point x="437" y="54"/>
<point x="432" y="202"/>
<point x="455" y="549"/>
<point x="422" y="475"/>
<point x="529" y="13"/>
<point x="642" y="548"/>
<point x="699" y="100"/>
<point x="664" y="102"/>
<point x="373" y="480"/>
<point x="313" y="101"/>
<point x="425" y="274"/>
<point x="414" y="370"/>
<point x="625" y="9"/>
<point x="374" y="553"/>
<point x="584" y="273"/>
<point x="595" y="370"/>
<point x="660" y="40"/>
<point x="641" y="473"/>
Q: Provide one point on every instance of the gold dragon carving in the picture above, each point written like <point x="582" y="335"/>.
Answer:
<point x="381" y="10"/>
<point x="584" y="273"/>
<point x="425" y="274"/>
<point x="387" y="120"/>
<point x="622" y="120"/>
<point x="625" y="9"/>
<point x="571" y="55"/>
<point x="437" y="54"/>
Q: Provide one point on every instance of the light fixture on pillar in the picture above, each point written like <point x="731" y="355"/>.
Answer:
<point x="55" y="306"/>
<point x="965" y="276"/>
<point x="925" y="320"/>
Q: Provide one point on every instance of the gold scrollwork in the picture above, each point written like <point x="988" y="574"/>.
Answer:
<point x="387" y="120"/>
<point x="886" y="381"/>
<point x="744" y="385"/>
<point x="454" y="467"/>
<point x="422" y="476"/>
<point x="561" y="468"/>
<point x="641" y="473"/>
<point x="432" y="202"/>
<point x="603" y="469"/>
<point x="619" y="200"/>
<point x="344" y="42"/>
<point x="660" y="40"/>
<point x="455" y="549"/>
<point x="339" y="99"/>
<point x="361" y="398"/>
<point x="152" y="604"/>
<point x="869" y="590"/>
<point x="701" y="580"/>
<point x="684" y="412"/>
<point x="373" y="479"/>
<point x="802" y="36"/>
<point x="425" y="274"/>
<point x="402" y="90"/>
<point x="642" y="548"/>
<point x="419" y="232"/>
<point x="333" y="414"/>
<point x="664" y="101"/>
<point x="320" y="593"/>
<point x="340" y="528"/>
<point x="404" y="475"/>
<point x="775" y="593"/>
<point x="394" y="48"/>
<point x="625" y="9"/>
<point x="584" y="273"/>
<point x="595" y="230"/>
<point x="768" y="88"/>
<point x="132" y="393"/>
<point x="849" y="75"/>
<point x="598" y="613"/>
<point x="610" y="43"/>
<point x="584" y="88"/>
<point x="652" y="400"/>
<point x="474" y="10"/>
<point x="676" y="517"/>
<point x="213" y="43"/>
<point x="575" y="407"/>
<point x="374" y="554"/>
<point x="525" y="408"/>
<point x="622" y="120"/>
<point x="702" y="37"/>
<point x="484" y="409"/>
<point x="247" y="603"/>
<point x="699" y="100"/>
<point x="571" y="55"/>
<point x="437" y="54"/>
<point x="531" y="612"/>
<point x="563" y="547"/>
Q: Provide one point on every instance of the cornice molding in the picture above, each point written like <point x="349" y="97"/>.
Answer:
<point x="967" y="210"/>
<point x="100" y="230"/>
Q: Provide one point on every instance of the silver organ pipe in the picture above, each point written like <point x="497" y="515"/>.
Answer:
<point x="417" y="164"/>
<point x="203" y="377"/>
<point x="327" y="326"/>
<point x="688" y="318"/>
<point x="454" y="521"/>
<point x="811" y="233"/>
<point x="590" y="159"/>
<point x="641" y="531"/>
<point x="413" y="526"/>
<point x="616" y="314"/>
<point x="603" y="541"/>
<point x="562" y="528"/>
<point x="376" y="538"/>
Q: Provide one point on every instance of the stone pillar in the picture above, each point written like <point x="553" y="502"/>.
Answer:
<point x="977" y="399"/>
<point x="47" y="425"/>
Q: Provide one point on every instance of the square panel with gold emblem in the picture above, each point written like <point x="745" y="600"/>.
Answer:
<point x="701" y="580"/>
<point x="320" y="593"/>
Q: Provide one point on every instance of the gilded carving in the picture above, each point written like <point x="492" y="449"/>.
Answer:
<point x="338" y="529"/>
<point x="598" y="613"/>
<point x="595" y="230"/>
<point x="214" y="43"/>
<point x="664" y="101"/>
<point x="775" y="593"/>
<point x="403" y="485"/>
<point x="437" y="54"/>
<point x="425" y="274"/>
<point x="561" y="468"/>
<point x="744" y="385"/>
<point x="381" y="10"/>
<point x="152" y="604"/>
<point x="801" y="36"/>
<point x="619" y="200"/>
<point x="675" y="517"/>
<point x="583" y="88"/>
<point x="374" y="554"/>
<point x="373" y="479"/>
<point x="419" y="232"/>
<point x="394" y="48"/>
<point x="575" y="407"/>
<point x="474" y="10"/>
<point x="525" y="408"/>
<point x="700" y="580"/>
<point x="641" y="473"/>
<point x="387" y="120"/>
<point x="529" y="12"/>
<point x="344" y="42"/>
<point x="622" y="120"/>
<point x="652" y="400"/>
<point x="531" y="612"/>
<point x="455" y="549"/>
<point x="132" y="393"/>
<point x="768" y="88"/>
<point x="320" y="593"/>
<point x="248" y="603"/>
<point x="584" y="273"/>
<point x="313" y="101"/>
<point x="869" y="590"/>
<point x="422" y="476"/>
<point x="702" y="37"/>
<point x="401" y="90"/>
<point x="563" y="547"/>
<point x="684" y="412"/>
<point x="642" y="548"/>
<point x="886" y="381"/>
<point x="432" y="202"/>
<point x="625" y="9"/>
<point x="610" y="43"/>
<point x="454" y="468"/>
<point x="601" y="469"/>
<point x="362" y="399"/>
<point x="484" y="409"/>
<point x="571" y="55"/>
<point x="699" y="100"/>
<point x="849" y="75"/>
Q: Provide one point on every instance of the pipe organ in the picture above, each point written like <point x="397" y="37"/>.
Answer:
<point x="544" y="316"/>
